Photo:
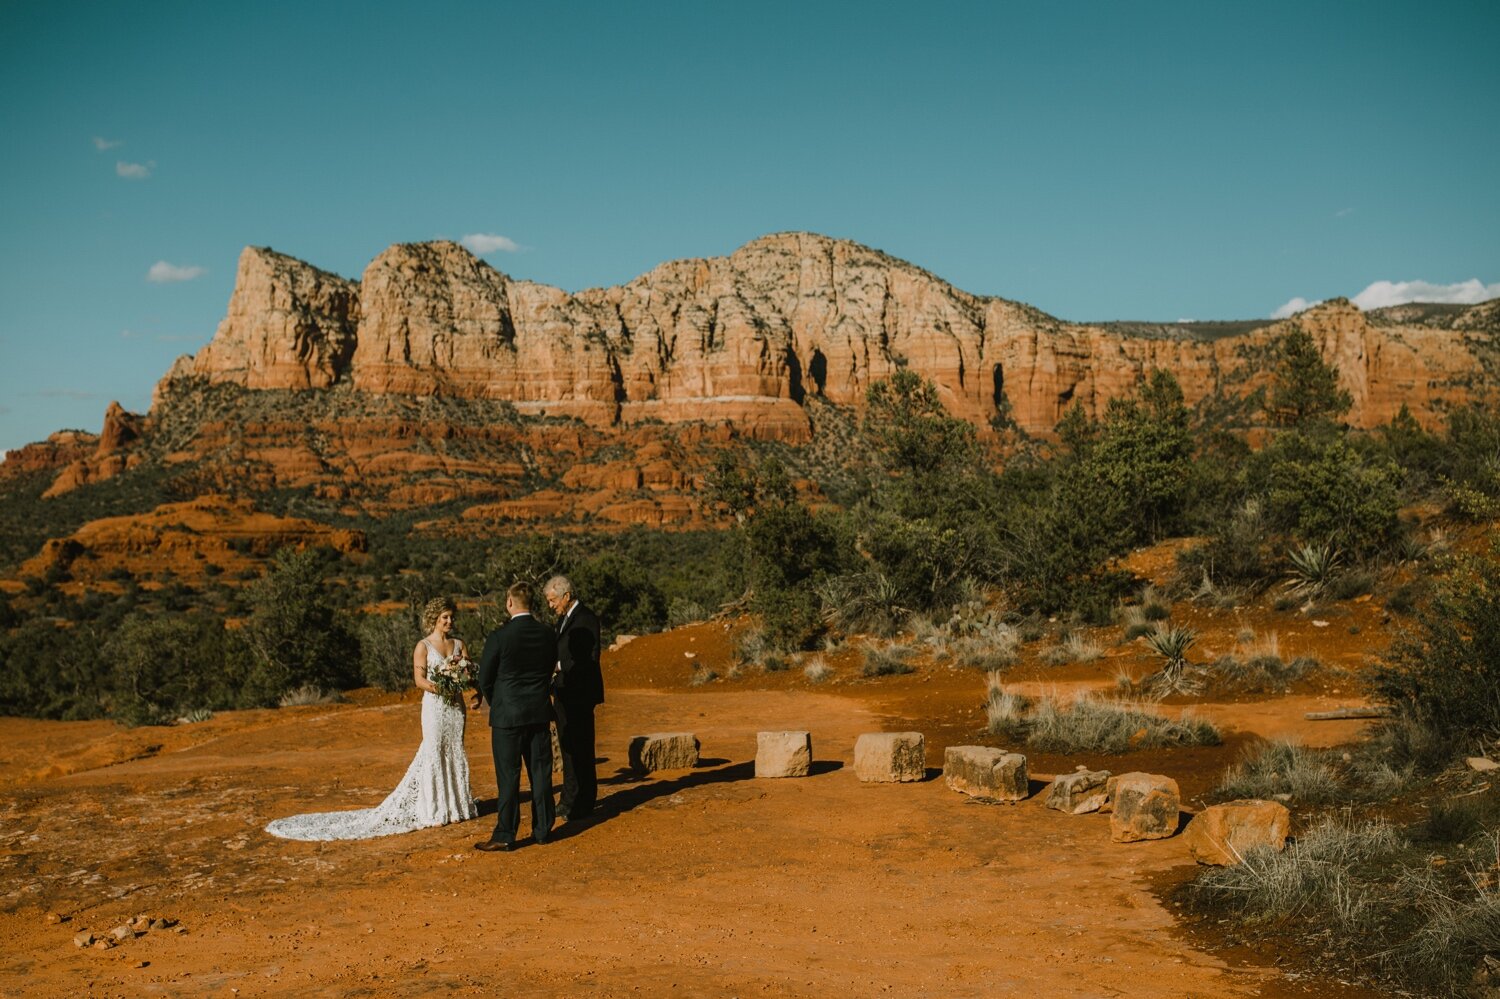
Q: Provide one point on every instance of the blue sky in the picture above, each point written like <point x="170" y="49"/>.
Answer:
<point x="1097" y="160"/>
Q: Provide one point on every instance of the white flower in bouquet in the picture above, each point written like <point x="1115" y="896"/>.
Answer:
<point x="452" y="676"/>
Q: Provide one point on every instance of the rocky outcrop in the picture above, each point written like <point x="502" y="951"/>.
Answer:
<point x="121" y="429"/>
<point x="289" y="326"/>
<point x="184" y="539"/>
<point x="748" y="338"/>
<point x="57" y="451"/>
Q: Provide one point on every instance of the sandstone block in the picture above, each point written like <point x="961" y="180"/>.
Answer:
<point x="1145" y="807"/>
<point x="1220" y="834"/>
<point x="1483" y="764"/>
<point x="890" y="756"/>
<point x="83" y="939"/>
<point x="122" y="932"/>
<point x="1078" y="792"/>
<point x="664" y="751"/>
<point x="986" y="773"/>
<point x="783" y="754"/>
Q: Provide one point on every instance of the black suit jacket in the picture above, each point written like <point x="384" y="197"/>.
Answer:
<point x="581" y="683"/>
<point x="515" y="672"/>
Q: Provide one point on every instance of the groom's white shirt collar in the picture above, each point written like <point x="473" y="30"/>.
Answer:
<point x="521" y="614"/>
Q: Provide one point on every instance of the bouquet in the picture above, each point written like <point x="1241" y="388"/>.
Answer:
<point x="452" y="676"/>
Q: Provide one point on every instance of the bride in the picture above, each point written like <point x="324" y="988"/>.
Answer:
<point x="435" y="790"/>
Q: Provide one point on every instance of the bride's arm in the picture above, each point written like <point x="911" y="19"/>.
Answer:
<point x="419" y="669"/>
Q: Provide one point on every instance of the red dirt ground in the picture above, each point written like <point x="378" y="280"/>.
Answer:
<point x="703" y="882"/>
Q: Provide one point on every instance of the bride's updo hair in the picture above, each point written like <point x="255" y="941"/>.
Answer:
<point x="434" y="610"/>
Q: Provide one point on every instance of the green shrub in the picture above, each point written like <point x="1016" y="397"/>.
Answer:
<point x="887" y="660"/>
<point x="1322" y="491"/>
<point x="1087" y="724"/>
<point x="622" y="593"/>
<point x="162" y="667"/>
<point x="1278" y="768"/>
<point x="294" y="637"/>
<point x="386" y="646"/>
<point x="1444" y="678"/>
<point x="864" y="601"/>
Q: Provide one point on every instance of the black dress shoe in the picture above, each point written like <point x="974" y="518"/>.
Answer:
<point x="494" y="846"/>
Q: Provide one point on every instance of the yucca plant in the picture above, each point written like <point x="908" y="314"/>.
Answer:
<point x="1313" y="568"/>
<point x="1172" y="645"/>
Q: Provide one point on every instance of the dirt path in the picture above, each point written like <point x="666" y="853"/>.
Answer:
<point x="706" y="882"/>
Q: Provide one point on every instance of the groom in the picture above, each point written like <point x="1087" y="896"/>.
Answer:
<point x="515" y="674"/>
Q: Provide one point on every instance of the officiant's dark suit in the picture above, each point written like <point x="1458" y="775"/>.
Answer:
<point x="515" y="676"/>
<point x="578" y="689"/>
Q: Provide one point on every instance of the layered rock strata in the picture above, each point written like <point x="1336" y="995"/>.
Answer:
<point x="749" y="337"/>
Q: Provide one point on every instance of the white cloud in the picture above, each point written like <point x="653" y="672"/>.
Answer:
<point x="134" y="171"/>
<point x="484" y="243"/>
<point x="103" y="145"/>
<point x="1343" y="213"/>
<point x="162" y="272"/>
<point x="1293" y="307"/>
<point x="1384" y="293"/>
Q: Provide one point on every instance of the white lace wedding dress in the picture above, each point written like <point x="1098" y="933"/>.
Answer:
<point x="434" y="792"/>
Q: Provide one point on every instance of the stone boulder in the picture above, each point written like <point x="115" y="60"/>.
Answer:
<point x="783" y="754"/>
<point x="1220" y="834"/>
<point x="986" y="773"/>
<point x="664" y="751"/>
<point x="1079" y="792"/>
<point x="890" y="756"/>
<point x="1145" y="806"/>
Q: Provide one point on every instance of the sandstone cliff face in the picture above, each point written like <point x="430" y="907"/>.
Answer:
<point x="289" y="326"/>
<point x="745" y="339"/>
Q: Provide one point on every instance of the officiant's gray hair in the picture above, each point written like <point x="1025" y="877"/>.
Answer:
<point x="558" y="585"/>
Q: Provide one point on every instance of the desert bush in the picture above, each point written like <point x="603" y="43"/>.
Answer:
<point x="817" y="670"/>
<point x="1087" y="724"/>
<point x="1313" y="569"/>
<point x="988" y="654"/>
<point x="1322" y="491"/>
<point x="887" y="660"/>
<point x="1270" y="769"/>
<point x="1262" y="673"/>
<point x="308" y="694"/>
<point x="1459" y="926"/>
<point x="788" y="550"/>
<point x="621" y="592"/>
<point x="1075" y="647"/>
<point x="1360" y="895"/>
<point x="293" y="635"/>
<point x="163" y="666"/>
<point x="1460" y="820"/>
<point x="1005" y="712"/>
<point x="1238" y="550"/>
<point x="1172" y="645"/>
<point x="1442" y="680"/>
<point x="751" y="646"/>
<point x="865" y="601"/>
<point x="386" y="644"/>
<point x="1311" y="877"/>
<point x="683" y="611"/>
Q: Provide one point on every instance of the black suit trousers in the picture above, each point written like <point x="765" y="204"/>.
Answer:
<point x="575" y="734"/>
<point x="511" y="746"/>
